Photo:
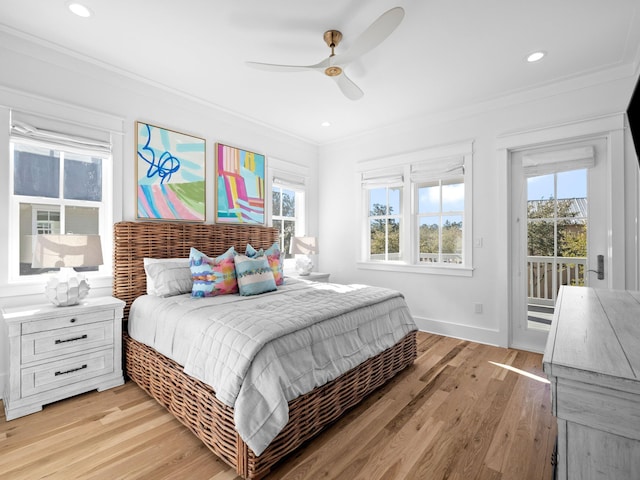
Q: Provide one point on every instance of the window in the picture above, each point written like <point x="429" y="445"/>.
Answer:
<point x="58" y="186"/>
<point x="385" y="217"/>
<point x="418" y="213"/>
<point x="287" y="212"/>
<point x="440" y="220"/>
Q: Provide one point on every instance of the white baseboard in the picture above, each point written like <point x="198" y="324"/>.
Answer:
<point x="464" y="332"/>
<point x="527" y="347"/>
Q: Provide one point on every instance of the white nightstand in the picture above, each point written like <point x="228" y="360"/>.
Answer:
<point x="313" y="276"/>
<point x="57" y="352"/>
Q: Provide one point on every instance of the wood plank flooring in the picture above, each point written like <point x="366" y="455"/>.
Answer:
<point x="452" y="415"/>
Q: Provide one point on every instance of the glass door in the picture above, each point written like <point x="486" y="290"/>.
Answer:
<point x="558" y="230"/>
<point x="557" y="223"/>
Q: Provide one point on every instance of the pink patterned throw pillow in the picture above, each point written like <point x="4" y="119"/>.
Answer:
<point x="212" y="276"/>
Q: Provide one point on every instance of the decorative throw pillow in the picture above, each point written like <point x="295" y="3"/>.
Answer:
<point x="167" y="276"/>
<point x="252" y="252"/>
<point x="212" y="276"/>
<point x="254" y="275"/>
<point x="274" y="257"/>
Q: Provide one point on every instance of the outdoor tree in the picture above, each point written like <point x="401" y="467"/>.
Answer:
<point x="286" y="208"/>
<point x="542" y="241"/>
<point x="451" y="238"/>
<point x="572" y="234"/>
<point x="379" y="229"/>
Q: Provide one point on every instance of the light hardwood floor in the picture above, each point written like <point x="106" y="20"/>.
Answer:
<point x="452" y="415"/>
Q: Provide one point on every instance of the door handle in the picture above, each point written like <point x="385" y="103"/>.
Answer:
<point x="600" y="270"/>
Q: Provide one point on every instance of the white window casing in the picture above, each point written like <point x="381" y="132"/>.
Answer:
<point x="31" y="130"/>
<point x="282" y="179"/>
<point x="444" y="163"/>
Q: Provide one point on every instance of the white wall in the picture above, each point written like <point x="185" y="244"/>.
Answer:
<point x="444" y="304"/>
<point x="33" y="76"/>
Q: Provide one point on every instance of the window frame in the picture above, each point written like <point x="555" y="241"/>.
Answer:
<point x="298" y="185"/>
<point x="104" y="208"/>
<point x="416" y="168"/>
<point x="387" y="217"/>
<point x="439" y="214"/>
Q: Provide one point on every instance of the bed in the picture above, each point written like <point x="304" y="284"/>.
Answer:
<point x="193" y="402"/>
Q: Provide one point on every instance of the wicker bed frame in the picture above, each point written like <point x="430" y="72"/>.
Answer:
<point x="193" y="402"/>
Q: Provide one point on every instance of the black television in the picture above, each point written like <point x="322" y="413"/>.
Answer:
<point x="633" y="116"/>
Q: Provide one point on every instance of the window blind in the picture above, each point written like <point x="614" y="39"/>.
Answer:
<point x="535" y="164"/>
<point x="371" y="181"/>
<point x="58" y="134"/>
<point x="437" y="170"/>
<point x="288" y="180"/>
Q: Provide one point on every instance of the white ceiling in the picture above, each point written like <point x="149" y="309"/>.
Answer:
<point x="445" y="55"/>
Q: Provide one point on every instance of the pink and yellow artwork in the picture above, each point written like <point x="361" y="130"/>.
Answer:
<point x="240" y="181"/>
<point x="170" y="171"/>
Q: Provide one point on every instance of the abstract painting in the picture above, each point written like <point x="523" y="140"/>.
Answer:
<point x="240" y="181"/>
<point x="170" y="172"/>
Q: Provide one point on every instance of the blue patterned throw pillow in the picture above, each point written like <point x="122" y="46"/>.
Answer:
<point x="274" y="257"/>
<point x="254" y="275"/>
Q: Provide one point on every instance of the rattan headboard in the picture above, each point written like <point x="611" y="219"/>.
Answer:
<point x="133" y="241"/>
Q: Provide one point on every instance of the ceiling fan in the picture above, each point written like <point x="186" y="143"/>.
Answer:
<point x="334" y="65"/>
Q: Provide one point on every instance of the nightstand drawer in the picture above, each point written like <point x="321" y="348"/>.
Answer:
<point x="63" y="341"/>
<point x="72" y="319"/>
<point x="55" y="375"/>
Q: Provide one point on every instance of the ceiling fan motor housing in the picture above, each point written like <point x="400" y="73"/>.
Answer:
<point x="332" y="39"/>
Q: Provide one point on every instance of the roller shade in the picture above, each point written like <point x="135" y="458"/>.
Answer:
<point x="27" y="130"/>
<point x="371" y="181"/>
<point x="287" y="180"/>
<point x="535" y="164"/>
<point x="438" y="170"/>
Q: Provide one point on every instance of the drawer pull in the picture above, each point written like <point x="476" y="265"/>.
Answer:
<point x="72" y="370"/>
<point x="72" y="339"/>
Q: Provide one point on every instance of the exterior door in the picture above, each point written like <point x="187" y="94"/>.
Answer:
<point x="558" y="231"/>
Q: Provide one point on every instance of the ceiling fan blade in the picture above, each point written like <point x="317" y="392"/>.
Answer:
<point x="373" y="36"/>
<point x="270" y="67"/>
<point x="350" y="89"/>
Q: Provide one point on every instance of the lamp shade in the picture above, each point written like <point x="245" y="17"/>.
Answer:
<point x="56" y="251"/>
<point x="304" y="245"/>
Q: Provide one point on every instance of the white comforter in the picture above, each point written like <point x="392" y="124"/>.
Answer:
<point x="258" y="353"/>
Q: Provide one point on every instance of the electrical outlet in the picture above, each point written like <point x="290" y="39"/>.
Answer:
<point x="477" y="307"/>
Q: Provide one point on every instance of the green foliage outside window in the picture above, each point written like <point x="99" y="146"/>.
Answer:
<point x="385" y="232"/>
<point x="558" y="233"/>
<point x="283" y="217"/>
<point x="451" y="238"/>
<point x="572" y="232"/>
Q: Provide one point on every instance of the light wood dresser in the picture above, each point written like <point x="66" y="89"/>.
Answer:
<point x="56" y="352"/>
<point x="592" y="359"/>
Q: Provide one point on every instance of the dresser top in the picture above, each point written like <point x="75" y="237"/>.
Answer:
<point x="49" y="310"/>
<point x="595" y="332"/>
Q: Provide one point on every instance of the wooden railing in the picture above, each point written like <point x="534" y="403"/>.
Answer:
<point x="543" y="284"/>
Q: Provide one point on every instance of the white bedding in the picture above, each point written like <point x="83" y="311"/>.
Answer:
<point x="277" y="345"/>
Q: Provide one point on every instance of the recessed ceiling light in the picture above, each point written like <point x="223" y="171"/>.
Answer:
<point x="79" y="10"/>
<point x="325" y="124"/>
<point x="535" y="56"/>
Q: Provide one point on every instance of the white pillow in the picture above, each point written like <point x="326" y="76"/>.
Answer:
<point x="167" y="276"/>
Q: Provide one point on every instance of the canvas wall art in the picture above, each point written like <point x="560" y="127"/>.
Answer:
<point x="170" y="172"/>
<point x="240" y="186"/>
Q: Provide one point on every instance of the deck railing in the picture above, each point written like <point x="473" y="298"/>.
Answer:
<point x="543" y="284"/>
